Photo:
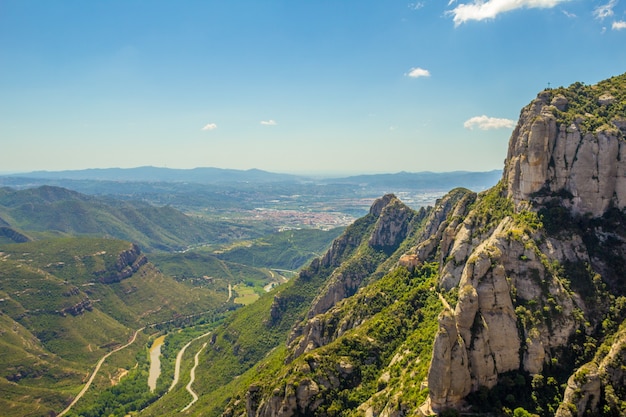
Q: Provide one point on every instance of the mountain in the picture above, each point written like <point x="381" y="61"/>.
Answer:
<point x="209" y="175"/>
<point x="511" y="301"/>
<point x="47" y="210"/>
<point x="425" y="180"/>
<point x="155" y="174"/>
<point x="227" y="191"/>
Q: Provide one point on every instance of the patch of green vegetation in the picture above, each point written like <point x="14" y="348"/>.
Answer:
<point x="583" y="103"/>
<point x="47" y="209"/>
<point x="288" y="250"/>
<point x="252" y="332"/>
<point x="245" y="294"/>
<point x="68" y="319"/>
<point x="130" y="395"/>
<point x="490" y="208"/>
<point x="396" y="318"/>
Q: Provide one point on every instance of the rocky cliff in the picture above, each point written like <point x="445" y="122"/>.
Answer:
<point x="560" y="149"/>
<point x="526" y="282"/>
<point x="491" y="302"/>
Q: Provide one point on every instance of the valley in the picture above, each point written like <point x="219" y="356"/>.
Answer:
<point x="188" y="268"/>
<point x="507" y="300"/>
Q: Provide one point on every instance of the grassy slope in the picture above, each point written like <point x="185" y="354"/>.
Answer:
<point x="46" y="209"/>
<point x="285" y="250"/>
<point x="47" y="353"/>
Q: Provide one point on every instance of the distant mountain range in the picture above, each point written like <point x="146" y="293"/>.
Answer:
<point x="208" y="175"/>
<point x="425" y="180"/>
<point x="51" y="211"/>
<point x="157" y="174"/>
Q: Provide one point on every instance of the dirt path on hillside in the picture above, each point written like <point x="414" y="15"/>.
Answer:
<point x="95" y="372"/>
<point x="192" y="379"/>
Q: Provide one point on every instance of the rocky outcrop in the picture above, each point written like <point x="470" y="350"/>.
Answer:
<point x="128" y="262"/>
<point x="528" y="270"/>
<point x="393" y="224"/>
<point x="515" y="306"/>
<point x="388" y="232"/>
<point x="391" y="227"/>
<point x="482" y="338"/>
<point x="549" y="157"/>
<point x="77" y="309"/>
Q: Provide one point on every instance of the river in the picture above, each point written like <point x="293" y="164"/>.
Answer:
<point x="155" y="362"/>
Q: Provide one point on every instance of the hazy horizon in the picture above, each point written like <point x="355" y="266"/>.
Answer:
<point x="320" y="174"/>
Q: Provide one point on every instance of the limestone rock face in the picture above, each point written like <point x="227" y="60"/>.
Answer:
<point x="505" y="275"/>
<point x="547" y="159"/>
<point x="390" y="229"/>
<point x="481" y="338"/>
<point x="449" y="376"/>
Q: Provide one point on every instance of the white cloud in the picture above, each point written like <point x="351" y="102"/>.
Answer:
<point x="604" y="11"/>
<point x="268" y="122"/>
<point x="481" y="9"/>
<point x="488" y="123"/>
<point x="568" y="14"/>
<point x="619" y="25"/>
<point x="418" y="72"/>
<point x="210" y="126"/>
<point x="417" y="5"/>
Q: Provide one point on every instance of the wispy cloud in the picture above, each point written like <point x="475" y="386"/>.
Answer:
<point x="619" y="25"/>
<point x="417" y="5"/>
<point x="604" y="11"/>
<point x="488" y="123"/>
<point x="481" y="9"/>
<point x="268" y="122"/>
<point x="568" y="14"/>
<point x="210" y="126"/>
<point x="418" y="72"/>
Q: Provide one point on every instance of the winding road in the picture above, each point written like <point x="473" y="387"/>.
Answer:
<point x="192" y="379"/>
<point x="179" y="358"/>
<point x="95" y="371"/>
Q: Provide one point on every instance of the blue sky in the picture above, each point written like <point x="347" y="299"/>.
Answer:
<point x="288" y="86"/>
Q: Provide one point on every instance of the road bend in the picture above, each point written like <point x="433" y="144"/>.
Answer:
<point x="192" y="379"/>
<point x="95" y="372"/>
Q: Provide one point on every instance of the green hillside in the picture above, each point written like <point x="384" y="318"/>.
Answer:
<point x="66" y="302"/>
<point x="46" y="211"/>
<point x="250" y="342"/>
<point x="287" y="250"/>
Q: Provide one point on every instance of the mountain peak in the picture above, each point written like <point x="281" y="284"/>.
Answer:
<point x="569" y="144"/>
